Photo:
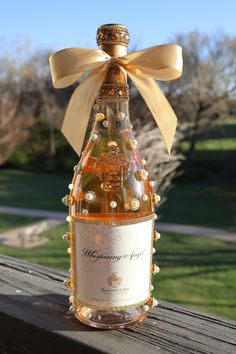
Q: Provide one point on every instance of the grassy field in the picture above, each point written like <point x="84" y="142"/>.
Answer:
<point x="195" y="272"/>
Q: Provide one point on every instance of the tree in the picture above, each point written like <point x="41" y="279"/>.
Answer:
<point x="200" y="96"/>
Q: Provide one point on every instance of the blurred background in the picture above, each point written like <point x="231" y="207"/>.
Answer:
<point x="197" y="216"/>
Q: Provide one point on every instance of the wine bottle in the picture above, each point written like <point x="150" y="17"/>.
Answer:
<point x="111" y="209"/>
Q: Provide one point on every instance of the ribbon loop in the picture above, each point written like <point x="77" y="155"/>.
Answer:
<point x="163" y="62"/>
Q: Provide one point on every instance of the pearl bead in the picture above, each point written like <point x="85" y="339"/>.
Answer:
<point x="154" y="302"/>
<point x="90" y="196"/>
<point x="156" y="269"/>
<point x="112" y="143"/>
<point x="69" y="250"/>
<point x="133" y="143"/>
<point x="135" y="204"/>
<point x="155" y="216"/>
<point x="156" y="198"/>
<point x="130" y="126"/>
<point x="113" y="204"/>
<point x="65" y="282"/>
<point x="157" y="236"/>
<point x="153" y="250"/>
<point x="71" y="299"/>
<point x="65" y="200"/>
<point x="145" y="308"/>
<point x="99" y="116"/>
<point x="143" y="162"/>
<point x="68" y="218"/>
<point x="85" y="211"/>
<point x="71" y="186"/>
<point x="120" y="116"/>
<point x="152" y="184"/>
<point x="151" y="287"/>
<point x="105" y="123"/>
<point x="145" y="197"/>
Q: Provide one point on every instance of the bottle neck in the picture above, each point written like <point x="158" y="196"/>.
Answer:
<point x="116" y="74"/>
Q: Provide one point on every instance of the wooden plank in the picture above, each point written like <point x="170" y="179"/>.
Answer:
<point x="34" y="318"/>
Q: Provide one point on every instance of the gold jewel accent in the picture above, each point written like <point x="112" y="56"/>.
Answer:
<point x="114" y="91"/>
<point x="100" y="116"/>
<point x="114" y="222"/>
<point x="141" y="175"/>
<point x="112" y="34"/>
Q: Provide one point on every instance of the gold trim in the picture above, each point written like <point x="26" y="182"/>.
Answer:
<point x="110" y="308"/>
<point x="112" y="34"/>
<point x="113" y="91"/>
<point x="113" y="222"/>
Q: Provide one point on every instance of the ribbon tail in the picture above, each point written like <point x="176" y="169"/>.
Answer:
<point x="159" y="106"/>
<point x="79" y="108"/>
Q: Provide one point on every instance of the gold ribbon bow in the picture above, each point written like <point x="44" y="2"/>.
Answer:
<point x="163" y="62"/>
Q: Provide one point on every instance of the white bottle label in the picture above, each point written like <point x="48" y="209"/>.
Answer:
<point x="112" y="263"/>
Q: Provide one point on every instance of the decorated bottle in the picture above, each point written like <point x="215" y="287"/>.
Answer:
<point x="111" y="209"/>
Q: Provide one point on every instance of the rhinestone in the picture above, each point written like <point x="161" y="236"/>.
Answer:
<point x="90" y="196"/>
<point x="145" y="197"/>
<point x="94" y="136"/>
<point x="65" y="200"/>
<point x="152" y="184"/>
<point x="105" y="123"/>
<point x="84" y="211"/>
<point x="145" y="308"/>
<point x="156" y="235"/>
<point x="120" y="116"/>
<point x="112" y="143"/>
<point x="135" y="204"/>
<point x="99" y="116"/>
<point x="72" y="309"/>
<point x="68" y="218"/>
<point x="77" y="168"/>
<point x="113" y="204"/>
<point x="66" y="237"/>
<point x="71" y="186"/>
<point x="96" y="107"/>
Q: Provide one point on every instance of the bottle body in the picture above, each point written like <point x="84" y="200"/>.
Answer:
<point x="111" y="223"/>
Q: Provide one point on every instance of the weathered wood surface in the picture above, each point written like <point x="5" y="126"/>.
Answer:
<point x="34" y="318"/>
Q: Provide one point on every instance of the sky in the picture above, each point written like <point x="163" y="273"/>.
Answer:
<point x="57" y="24"/>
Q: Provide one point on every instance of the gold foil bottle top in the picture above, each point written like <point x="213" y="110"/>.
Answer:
<point x="113" y="34"/>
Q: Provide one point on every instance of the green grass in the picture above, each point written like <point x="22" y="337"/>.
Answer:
<point x="224" y="144"/>
<point x="33" y="190"/>
<point x="11" y="221"/>
<point x="195" y="272"/>
<point x="207" y="202"/>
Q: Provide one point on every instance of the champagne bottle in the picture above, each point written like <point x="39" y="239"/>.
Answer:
<point x="111" y="209"/>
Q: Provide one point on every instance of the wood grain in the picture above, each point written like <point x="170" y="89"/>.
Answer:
<point x="34" y="318"/>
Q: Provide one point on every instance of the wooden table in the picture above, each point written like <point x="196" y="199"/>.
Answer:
<point x="34" y="318"/>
